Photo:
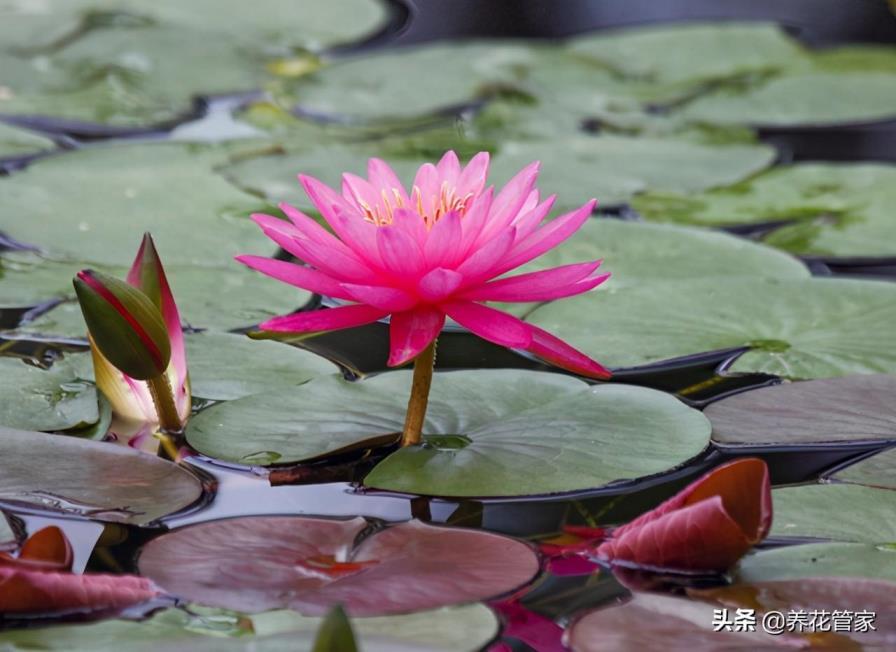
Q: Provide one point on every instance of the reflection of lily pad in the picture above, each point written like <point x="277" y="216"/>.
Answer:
<point x="846" y="409"/>
<point x="611" y="168"/>
<point x="843" y="512"/>
<point x="175" y="629"/>
<point x="876" y="471"/>
<point x="839" y="209"/>
<point x="802" y="98"/>
<point x="798" y="328"/>
<point x="36" y="399"/>
<point x="692" y="53"/>
<point x="820" y="559"/>
<point x="91" y="479"/>
<point x="225" y="367"/>
<point x="308" y="564"/>
<point x="485" y="431"/>
<point x="97" y="214"/>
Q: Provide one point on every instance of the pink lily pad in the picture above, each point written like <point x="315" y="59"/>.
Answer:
<point x="706" y="527"/>
<point x="309" y="564"/>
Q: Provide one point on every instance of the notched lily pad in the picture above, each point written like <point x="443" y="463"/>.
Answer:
<point x="843" y="512"/>
<point x="224" y="367"/>
<point x="45" y="399"/>
<point x="796" y="328"/>
<point x="485" y="431"/>
<point x="16" y="142"/>
<point x="91" y="479"/>
<point x="820" y="560"/>
<point x="876" y="471"/>
<point x="309" y="564"/>
<point x="830" y="410"/>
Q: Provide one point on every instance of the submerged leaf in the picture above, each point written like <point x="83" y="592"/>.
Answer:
<point x="311" y="564"/>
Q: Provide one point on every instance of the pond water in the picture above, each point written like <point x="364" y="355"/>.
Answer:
<point x="749" y="255"/>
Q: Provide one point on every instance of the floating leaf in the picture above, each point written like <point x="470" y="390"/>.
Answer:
<point x="611" y="168"/>
<point x="91" y="479"/>
<point x="801" y="98"/>
<point x="660" y="622"/>
<point x="707" y="526"/>
<point x="691" y="52"/>
<point x="876" y="471"/>
<point x="196" y="217"/>
<point x="846" y="409"/>
<point x="174" y="629"/>
<point x="843" y="512"/>
<point x="484" y="431"/>
<point x="862" y="600"/>
<point x="839" y="209"/>
<point x="15" y="142"/>
<point x="224" y="367"/>
<point x="310" y="564"/>
<point x="820" y="559"/>
<point x="809" y="328"/>
<point x="122" y="65"/>
<point x="52" y="399"/>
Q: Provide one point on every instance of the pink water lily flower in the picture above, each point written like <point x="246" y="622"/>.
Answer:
<point x="434" y="252"/>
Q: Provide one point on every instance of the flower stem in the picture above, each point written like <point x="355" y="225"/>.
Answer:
<point x="413" y="423"/>
<point x="163" y="397"/>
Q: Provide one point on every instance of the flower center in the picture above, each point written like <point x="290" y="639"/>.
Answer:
<point x="431" y="208"/>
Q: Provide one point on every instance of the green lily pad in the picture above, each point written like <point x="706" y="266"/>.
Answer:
<point x="611" y="168"/>
<point x="691" y="53"/>
<point x="174" y="629"/>
<point x="802" y="98"/>
<point x="225" y="367"/>
<point x="96" y="216"/>
<point x="876" y="471"/>
<point x="797" y="328"/>
<point x="843" y="512"/>
<point x="122" y="65"/>
<point x="845" y="409"/>
<point x="484" y="430"/>
<point x="36" y="399"/>
<point x="820" y="560"/>
<point x="839" y="209"/>
<point x="91" y="479"/>
<point x="14" y="142"/>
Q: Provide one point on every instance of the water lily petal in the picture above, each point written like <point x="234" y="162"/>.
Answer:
<point x="298" y="275"/>
<point x="510" y="201"/>
<point x="443" y="243"/>
<point x="543" y="285"/>
<point x="382" y="176"/>
<point x="472" y="179"/>
<point x="402" y="254"/>
<point x="490" y="324"/>
<point x="384" y="298"/>
<point x="547" y="237"/>
<point x="551" y="348"/>
<point x="480" y="265"/>
<point x="411" y="331"/>
<point x="438" y="284"/>
<point x="449" y="168"/>
<point x="326" y="319"/>
<point x="527" y="222"/>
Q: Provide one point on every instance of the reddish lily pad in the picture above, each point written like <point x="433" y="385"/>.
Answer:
<point x="309" y="564"/>
<point x="707" y="526"/>
<point x="91" y="479"/>
<point x="862" y="599"/>
<point x="830" y="410"/>
<point x="39" y="581"/>
<point x="660" y="622"/>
